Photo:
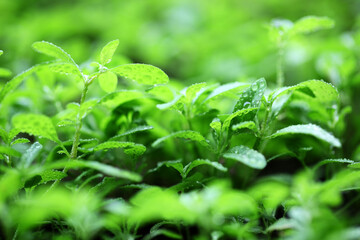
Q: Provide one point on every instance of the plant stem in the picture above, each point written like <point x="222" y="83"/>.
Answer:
<point x="73" y="154"/>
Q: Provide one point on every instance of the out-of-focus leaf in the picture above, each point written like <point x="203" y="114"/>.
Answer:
<point x="108" y="81"/>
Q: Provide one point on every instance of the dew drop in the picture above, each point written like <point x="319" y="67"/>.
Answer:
<point x="254" y="87"/>
<point x="262" y="84"/>
<point x="246" y="104"/>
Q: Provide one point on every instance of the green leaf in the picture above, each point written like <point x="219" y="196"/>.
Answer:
<point x="192" y="90"/>
<point x="322" y="91"/>
<point x="199" y="162"/>
<point x="281" y="224"/>
<point x="132" y="131"/>
<point x="4" y="135"/>
<point x="1" y="52"/>
<point x="178" y="99"/>
<point x="216" y="124"/>
<point x="51" y="175"/>
<point x="35" y="124"/>
<point x="30" y="154"/>
<point x="186" y="134"/>
<point x="52" y="50"/>
<point x="142" y="73"/>
<point x="224" y="88"/>
<point x="247" y="156"/>
<point x="251" y="97"/>
<point x="308" y="129"/>
<point x="20" y="140"/>
<point x="241" y="114"/>
<point x="176" y="164"/>
<point x="117" y="98"/>
<point x="108" y="81"/>
<point x="310" y="24"/>
<point x="338" y="160"/>
<point x="64" y="68"/>
<point x="108" y="51"/>
<point x="13" y="83"/>
<point x="106" y="169"/>
<point x="5" y="72"/>
<point x="247" y="124"/>
<point x="9" y="151"/>
<point x="129" y="147"/>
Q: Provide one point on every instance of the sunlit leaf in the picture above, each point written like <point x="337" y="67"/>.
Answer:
<point x="142" y="73"/>
<point x="52" y="50"/>
<point x="246" y="156"/>
<point x="35" y="124"/>
<point x="308" y="129"/>
<point x="117" y="98"/>
<point x="310" y="24"/>
<point x="108" y="81"/>
<point x="108" y="51"/>
<point x="251" y="97"/>
<point x="129" y="147"/>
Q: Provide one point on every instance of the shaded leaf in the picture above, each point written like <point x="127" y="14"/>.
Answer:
<point x="247" y="156"/>
<point x="308" y="129"/>
<point x="241" y="114"/>
<point x="117" y="98"/>
<point x="338" y="160"/>
<point x="142" y="73"/>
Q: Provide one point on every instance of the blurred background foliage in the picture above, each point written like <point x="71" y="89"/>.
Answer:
<point x="191" y="40"/>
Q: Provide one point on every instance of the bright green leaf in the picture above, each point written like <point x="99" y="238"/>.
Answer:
<point x="35" y="124"/>
<point x="192" y="90"/>
<point x="20" y="140"/>
<point x="108" y="81"/>
<point x="310" y="24"/>
<point x="106" y="169"/>
<point x="251" y="97"/>
<point x="199" y="162"/>
<point x="247" y="124"/>
<point x="108" y="51"/>
<point x="64" y="68"/>
<point x="240" y="113"/>
<point x="52" y="50"/>
<point x="186" y="134"/>
<point x="142" y="73"/>
<point x="225" y="88"/>
<point x="129" y="147"/>
<point x="246" y="156"/>
<point x="308" y="129"/>
<point x="1" y="52"/>
<point x="5" y="72"/>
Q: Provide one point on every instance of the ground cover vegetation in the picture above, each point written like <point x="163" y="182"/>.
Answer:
<point x="95" y="145"/>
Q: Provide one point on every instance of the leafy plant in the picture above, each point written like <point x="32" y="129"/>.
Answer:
<point x="103" y="150"/>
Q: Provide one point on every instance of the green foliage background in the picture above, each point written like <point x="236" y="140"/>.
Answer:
<point x="224" y="150"/>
